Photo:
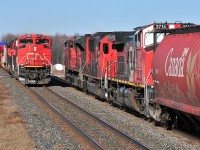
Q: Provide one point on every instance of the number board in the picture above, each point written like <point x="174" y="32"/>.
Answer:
<point x="111" y="38"/>
<point x="161" y="26"/>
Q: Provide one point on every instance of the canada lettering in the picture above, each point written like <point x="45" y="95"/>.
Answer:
<point x="174" y="65"/>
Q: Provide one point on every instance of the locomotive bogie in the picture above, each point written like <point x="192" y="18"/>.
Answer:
<point x="93" y="86"/>
<point x="34" y="75"/>
<point x="72" y="77"/>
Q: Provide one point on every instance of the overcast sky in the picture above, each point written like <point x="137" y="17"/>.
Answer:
<point x="89" y="16"/>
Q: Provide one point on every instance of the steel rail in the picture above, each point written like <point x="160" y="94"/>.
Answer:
<point x="121" y="133"/>
<point x="77" y="129"/>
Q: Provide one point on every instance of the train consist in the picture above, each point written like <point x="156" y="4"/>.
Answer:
<point x="136" y="70"/>
<point x="28" y="58"/>
<point x="152" y="70"/>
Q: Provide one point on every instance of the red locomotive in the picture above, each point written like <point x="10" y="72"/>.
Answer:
<point x="2" y="53"/>
<point x="117" y="66"/>
<point x="29" y="58"/>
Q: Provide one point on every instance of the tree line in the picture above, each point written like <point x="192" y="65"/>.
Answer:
<point x="57" y="45"/>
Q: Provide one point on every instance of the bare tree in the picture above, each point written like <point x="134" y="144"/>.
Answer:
<point x="58" y="48"/>
<point x="76" y="34"/>
<point x="8" y="37"/>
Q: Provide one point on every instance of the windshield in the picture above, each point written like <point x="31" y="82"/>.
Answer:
<point x="149" y="38"/>
<point x="42" y="41"/>
<point x="26" y="41"/>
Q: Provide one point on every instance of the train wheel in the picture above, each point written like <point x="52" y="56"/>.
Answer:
<point x="167" y="119"/>
<point x="157" y="123"/>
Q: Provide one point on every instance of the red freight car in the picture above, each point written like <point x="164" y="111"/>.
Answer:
<point x="176" y="74"/>
<point x="29" y="58"/>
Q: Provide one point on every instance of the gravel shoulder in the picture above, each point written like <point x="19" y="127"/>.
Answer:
<point x="13" y="131"/>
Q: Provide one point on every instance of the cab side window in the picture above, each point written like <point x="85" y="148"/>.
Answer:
<point x="105" y="48"/>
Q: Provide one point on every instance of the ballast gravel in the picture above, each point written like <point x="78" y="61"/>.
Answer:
<point x="44" y="131"/>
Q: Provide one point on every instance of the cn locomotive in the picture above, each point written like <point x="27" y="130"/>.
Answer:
<point x="29" y="58"/>
<point x="117" y="66"/>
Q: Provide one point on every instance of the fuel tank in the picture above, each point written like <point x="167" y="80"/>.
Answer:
<point x="176" y="72"/>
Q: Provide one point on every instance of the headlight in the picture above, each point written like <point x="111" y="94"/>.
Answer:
<point x="35" y="48"/>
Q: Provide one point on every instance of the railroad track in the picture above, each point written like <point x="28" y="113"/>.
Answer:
<point x="102" y="130"/>
<point x="186" y="135"/>
<point x="67" y="121"/>
<point x="4" y="76"/>
<point x="121" y="133"/>
<point x="176" y="132"/>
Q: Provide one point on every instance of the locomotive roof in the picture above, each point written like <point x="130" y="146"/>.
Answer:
<point x="125" y="33"/>
<point x="102" y="33"/>
<point x="190" y="29"/>
<point x="80" y="42"/>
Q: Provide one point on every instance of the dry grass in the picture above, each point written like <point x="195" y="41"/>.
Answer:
<point x="13" y="133"/>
